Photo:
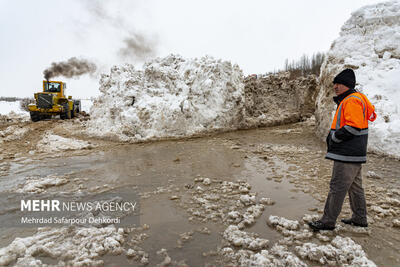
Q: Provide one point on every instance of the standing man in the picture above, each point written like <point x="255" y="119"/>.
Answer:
<point x="347" y="147"/>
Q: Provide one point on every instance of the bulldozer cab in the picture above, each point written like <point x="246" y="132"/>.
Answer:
<point x="54" y="87"/>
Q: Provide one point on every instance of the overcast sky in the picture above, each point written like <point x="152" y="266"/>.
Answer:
<point x="256" y="34"/>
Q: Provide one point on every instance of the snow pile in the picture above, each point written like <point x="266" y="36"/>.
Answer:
<point x="12" y="133"/>
<point x="40" y="184"/>
<point x="170" y="97"/>
<point x="369" y="43"/>
<point x="341" y="251"/>
<point x="70" y="246"/>
<point x="55" y="143"/>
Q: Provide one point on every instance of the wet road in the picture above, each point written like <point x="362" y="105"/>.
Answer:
<point x="284" y="163"/>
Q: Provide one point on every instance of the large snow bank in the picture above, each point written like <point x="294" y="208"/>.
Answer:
<point x="369" y="43"/>
<point x="170" y="97"/>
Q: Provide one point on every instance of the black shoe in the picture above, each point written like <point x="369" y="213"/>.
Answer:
<point x="351" y="222"/>
<point x="318" y="225"/>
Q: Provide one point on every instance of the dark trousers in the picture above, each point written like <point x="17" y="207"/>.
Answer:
<point x="346" y="178"/>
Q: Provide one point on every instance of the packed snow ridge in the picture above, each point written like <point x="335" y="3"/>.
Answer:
<point x="40" y="184"/>
<point x="369" y="43"/>
<point x="170" y="97"/>
<point x="12" y="133"/>
<point x="55" y="143"/>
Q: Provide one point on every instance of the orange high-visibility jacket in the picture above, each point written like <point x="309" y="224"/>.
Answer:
<point x="348" y="138"/>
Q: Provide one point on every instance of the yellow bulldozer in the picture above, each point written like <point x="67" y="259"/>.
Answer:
<point x="53" y="101"/>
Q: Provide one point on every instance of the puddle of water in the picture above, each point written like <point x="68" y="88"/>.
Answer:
<point x="151" y="165"/>
<point x="289" y="202"/>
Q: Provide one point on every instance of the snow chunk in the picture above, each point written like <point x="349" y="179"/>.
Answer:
<point x="243" y="239"/>
<point x="342" y="251"/>
<point x="71" y="246"/>
<point x="206" y="181"/>
<point x="248" y="199"/>
<point x="267" y="201"/>
<point x="287" y="258"/>
<point x="55" y="143"/>
<point x="170" y="97"/>
<point x="373" y="175"/>
<point x="251" y="214"/>
<point x="285" y="223"/>
<point x="310" y="217"/>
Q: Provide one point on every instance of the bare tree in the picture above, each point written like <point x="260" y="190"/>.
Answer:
<point x="305" y="65"/>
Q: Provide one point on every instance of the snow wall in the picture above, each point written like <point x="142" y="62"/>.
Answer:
<point x="171" y="97"/>
<point x="369" y="43"/>
<point x="174" y="97"/>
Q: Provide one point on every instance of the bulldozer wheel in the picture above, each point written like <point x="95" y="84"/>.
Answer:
<point x="46" y="117"/>
<point x="35" y="116"/>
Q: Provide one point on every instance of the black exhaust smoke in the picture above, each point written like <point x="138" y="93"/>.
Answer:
<point x="73" y="67"/>
<point x="135" y="45"/>
<point x="138" y="47"/>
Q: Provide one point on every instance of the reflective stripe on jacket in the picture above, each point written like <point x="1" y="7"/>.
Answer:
<point x="348" y="138"/>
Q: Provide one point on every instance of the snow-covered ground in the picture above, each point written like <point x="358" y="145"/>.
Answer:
<point x="369" y="43"/>
<point x="6" y="107"/>
<point x="170" y="97"/>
